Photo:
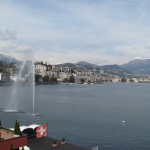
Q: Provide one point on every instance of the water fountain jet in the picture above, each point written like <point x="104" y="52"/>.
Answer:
<point x="25" y="80"/>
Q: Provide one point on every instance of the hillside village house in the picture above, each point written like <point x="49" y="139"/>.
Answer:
<point x="40" y="69"/>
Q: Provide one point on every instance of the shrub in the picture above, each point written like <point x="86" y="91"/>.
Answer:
<point x="17" y="128"/>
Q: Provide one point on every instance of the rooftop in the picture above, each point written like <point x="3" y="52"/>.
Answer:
<point x="8" y="139"/>
<point x="45" y="143"/>
<point x="6" y="134"/>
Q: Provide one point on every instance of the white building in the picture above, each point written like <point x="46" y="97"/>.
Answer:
<point x="40" y="69"/>
<point x="135" y="80"/>
<point x="0" y="76"/>
<point x="63" y="75"/>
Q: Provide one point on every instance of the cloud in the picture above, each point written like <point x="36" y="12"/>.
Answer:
<point x="140" y="17"/>
<point x="101" y="32"/>
<point x="6" y="35"/>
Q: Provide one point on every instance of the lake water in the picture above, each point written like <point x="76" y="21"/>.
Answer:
<point x="87" y="115"/>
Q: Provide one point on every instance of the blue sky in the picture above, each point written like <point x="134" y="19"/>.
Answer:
<point x="59" y="31"/>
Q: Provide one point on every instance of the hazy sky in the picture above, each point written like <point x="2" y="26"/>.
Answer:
<point x="58" y="31"/>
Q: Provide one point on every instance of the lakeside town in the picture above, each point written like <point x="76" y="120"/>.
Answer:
<point x="45" y="73"/>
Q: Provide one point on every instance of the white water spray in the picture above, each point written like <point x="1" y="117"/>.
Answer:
<point x="33" y="86"/>
<point x="24" y="84"/>
<point x="13" y="104"/>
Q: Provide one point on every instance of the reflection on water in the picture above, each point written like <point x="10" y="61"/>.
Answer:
<point x="22" y="99"/>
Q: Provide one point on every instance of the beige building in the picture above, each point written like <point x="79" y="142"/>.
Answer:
<point x="63" y="75"/>
<point x="40" y="69"/>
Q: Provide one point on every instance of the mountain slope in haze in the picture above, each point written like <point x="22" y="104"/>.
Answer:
<point x="115" y="70"/>
<point x="111" y="69"/>
<point x="7" y="59"/>
<point x="88" y="64"/>
<point x="138" y="66"/>
<point x="85" y="66"/>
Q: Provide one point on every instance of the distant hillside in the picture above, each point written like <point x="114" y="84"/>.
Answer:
<point x="7" y="59"/>
<point x="88" y="64"/>
<point x="115" y="70"/>
<point x="85" y="66"/>
<point x="77" y="66"/>
<point x="70" y="65"/>
<point x="138" y="66"/>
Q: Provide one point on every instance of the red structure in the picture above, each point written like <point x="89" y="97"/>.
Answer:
<point x="8" y="138"/>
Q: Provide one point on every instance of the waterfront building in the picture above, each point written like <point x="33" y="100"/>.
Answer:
<point x="144" y="80"/>
<point x="135" y="80"/>
<point x="40" y="69"/>
<point x="63" y="75"/>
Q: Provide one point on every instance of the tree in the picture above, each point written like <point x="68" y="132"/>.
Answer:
<point x="37" y="78"/>
<point x="63" y="139"/>
<point x="11" y="147"/>
<point x="72" y="79"/>
<point x="17" y="128"/>
<point x="19" y="131"/>
<point x="54" y="143"/>
<point x="89" y="81"/>
<point x="65" y="80"/>
<point x="72" y="71"/>
<point x="46" y="79"/>
<point x="124" y="80"/>
<point x="82" y="80"/>
<point x="53" y="79"/>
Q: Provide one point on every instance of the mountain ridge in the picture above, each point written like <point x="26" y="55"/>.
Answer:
<point x="135" y="66"/>
<point x="138" y="66"/>
<point x="8" y="59"/>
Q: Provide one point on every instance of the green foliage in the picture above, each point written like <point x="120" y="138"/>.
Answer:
<point x="22" y="148"/>
<point x="72" y="71"/>
<point x="46" y="78"/>
<point x="17" y="128"/>
<point x="53" y="79"/>
<point x="82" y="80"/>
<point x="54" y="142"/>
<point x="72" y="79"/>
<point x="11" y="147"/>
<point x="19" y="131"/>
<point x="63" y="139"/>
<point x="65" y="80"/>
<point x="37" y="78"/>
<point x="1" y="70"/>
<point x="124" y="80"/>
<point x="89" y="81"/>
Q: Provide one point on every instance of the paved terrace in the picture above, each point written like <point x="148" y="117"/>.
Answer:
<point x="45" y="143"/>
<point x="6" y="134"/>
